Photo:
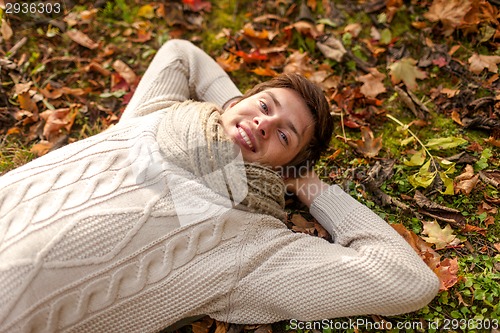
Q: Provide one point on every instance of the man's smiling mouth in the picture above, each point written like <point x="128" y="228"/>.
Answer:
<point x="245" y="137"/>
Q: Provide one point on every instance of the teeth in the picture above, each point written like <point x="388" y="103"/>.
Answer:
<point x="245" y="137"/>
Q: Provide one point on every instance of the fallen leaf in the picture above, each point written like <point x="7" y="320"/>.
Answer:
<point x="424" y="177"/>
<point x="56" y="120"/>
<point x="467" y="174"/>
<point x="466" y="181"/>
<point x="368" y="145"/>
<point x="264" y="71"/>
<point x="332" y="48"/>
<point x="478" y="62"/>
<point x="445" y="143"/>
<point x="406" y="70"/>
<point x="6" y="30"/>
<point x="229" y="62"/>
<point x="300" y="63"/>
<point x="497" y="246"/>
<point x="440" y="237"/>
<point x="203" y="325"/>
<point x="41" y="148"/>
<point x="146" y="11"/>
<point x="485" y="207"/>
<point x="449" y="12"/>
<point x="439" y="212"/>
<point x="300" y="224"/>
<point x="473" y="228"/>
<point x="82" y="39"/>
<point x="125" y="72"/>
<point x="447" y="273"/>
<point x="416" y="159"/>
<point x="353" y="28"/>
<point x="372" y="83"/>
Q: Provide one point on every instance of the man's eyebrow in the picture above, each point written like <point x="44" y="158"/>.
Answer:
<point x="289" y="123"/>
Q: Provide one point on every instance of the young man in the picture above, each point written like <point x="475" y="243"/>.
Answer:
<point x="177" y="212"/>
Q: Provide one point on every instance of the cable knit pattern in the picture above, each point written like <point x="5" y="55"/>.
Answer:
<point x="152" y="221"/>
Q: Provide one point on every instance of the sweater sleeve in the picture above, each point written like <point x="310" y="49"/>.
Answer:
<point x="178" y="72"/>
<point x="368" y="269"/>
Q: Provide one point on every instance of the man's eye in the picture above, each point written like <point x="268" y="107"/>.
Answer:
<point x="284" y="137"/>
<point x="264" y="107"/>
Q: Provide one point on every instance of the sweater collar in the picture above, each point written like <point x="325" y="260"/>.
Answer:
<point x="191" y="136"/>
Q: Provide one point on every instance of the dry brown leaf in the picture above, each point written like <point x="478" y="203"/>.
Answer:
<point x="300" y="63"/>
<point x="369" y="146"/>
<point x="82" y="39"/>
<point x="41" y="148"/>
<point x="125" y="72"/>
<point x="6" y="30"/>
<point x="353" y="28"/>
<point x="447" y="273"/>
<point x="467" y="174"/>
<point x="485" y="207"/>
<point x="203" y="325"/>
<point x="332" y="48"/>
<point x="467" y="185"/>
<point x="478" y="62"/>
<point x="449" y="12"/>
<point x="440" y="237"/>
<point x="497" y="246"/>
<point x="473" y="228"/>
<point x="372" y="83"/>
<point x="437" y="211"/>
<point x="56" y="120"/>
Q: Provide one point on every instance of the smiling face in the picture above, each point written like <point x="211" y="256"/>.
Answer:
<point x="270" y="127"/>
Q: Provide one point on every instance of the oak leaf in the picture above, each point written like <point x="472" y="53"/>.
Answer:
<point x="406" y="71"/>
<point x="440" y="237"/>
<point x="372" y="83"/>
<point x="478" y="62"/>
<point x="449" y="12"/>
<point x="368" y="145"/>
<point x="466" y="181"/>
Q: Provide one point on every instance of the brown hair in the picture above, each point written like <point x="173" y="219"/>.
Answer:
<point x="315" y="100"/>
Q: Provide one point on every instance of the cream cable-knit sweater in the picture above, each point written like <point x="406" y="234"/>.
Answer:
<point x="91" y="243"/>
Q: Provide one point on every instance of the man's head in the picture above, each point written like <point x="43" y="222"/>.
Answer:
<point x="281" y="122"/>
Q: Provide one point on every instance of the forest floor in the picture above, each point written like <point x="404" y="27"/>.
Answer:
<point x="414" y="89"/>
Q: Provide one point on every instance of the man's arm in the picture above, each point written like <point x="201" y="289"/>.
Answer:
<point x="182" y="71"/>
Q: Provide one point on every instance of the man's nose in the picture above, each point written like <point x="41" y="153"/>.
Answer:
<point x="264" y="125"/>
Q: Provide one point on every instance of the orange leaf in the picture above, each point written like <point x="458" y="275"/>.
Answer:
<point x="368" y="145"/>
<point x="229" y="62"/>
<point x="473" y="228"/>
<point x="264" y="71"/>
<point x="447" y="273"/>
<point x="41" y="148"/>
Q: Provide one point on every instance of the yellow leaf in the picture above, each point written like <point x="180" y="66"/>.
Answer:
<point x="146" y="11"/>
<point x="440" y="237"/>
